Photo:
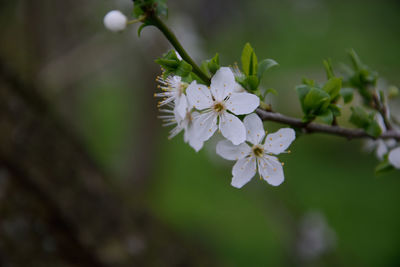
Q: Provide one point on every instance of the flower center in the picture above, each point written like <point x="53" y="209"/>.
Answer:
<point x="258" y="151"/>
<point x="218" y="107"/>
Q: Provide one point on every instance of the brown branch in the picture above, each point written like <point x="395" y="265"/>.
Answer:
<point x="323" y="128"/>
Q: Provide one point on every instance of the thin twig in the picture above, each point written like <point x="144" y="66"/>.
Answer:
<point x="323" y="128"/>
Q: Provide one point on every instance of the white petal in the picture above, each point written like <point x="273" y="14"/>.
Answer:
<point x="222" y="83"/>
<point x="394" y="157"/>
<point x="271" y="170"/>
<point x="232" y="128"/>
<point x="192" y="139"/>
<point x="199" y="96"/>
<point x="278" y="142"/>
<point x="254" y="128"/>
<point x="204" y="126"/>
<point x="229" y="151"/>
<point x="181" y="106"/>
<point x="242" y="103"/>
<point x="243" y="170"/>
<point x="237" y="88"/>
<point x="381" y="149"/>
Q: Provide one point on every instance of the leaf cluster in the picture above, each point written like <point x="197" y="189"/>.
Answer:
<point x="172" y="65"/>
<point x="253" y="71"/>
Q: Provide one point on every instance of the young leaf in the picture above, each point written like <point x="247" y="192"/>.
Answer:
<point x="252" y="82"/>
<point x="249" y="60"/>
<point x="327" y="116"/>
<point x="328" y="68"/>
<point x="347" y="94"/>
<point x="359" y="117"/>
<point x="332" y="87"/>
<point x="374" y="129"/>
<point x="264" y="65"/>
<point x="316" y="101"/>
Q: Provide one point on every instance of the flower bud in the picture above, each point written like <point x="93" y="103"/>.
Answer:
<point x="115" y="21"/>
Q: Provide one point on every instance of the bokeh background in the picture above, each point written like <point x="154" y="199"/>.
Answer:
<point x="89" y="178"/>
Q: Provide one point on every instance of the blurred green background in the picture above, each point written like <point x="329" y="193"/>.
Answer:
<point x="104" y="83"/>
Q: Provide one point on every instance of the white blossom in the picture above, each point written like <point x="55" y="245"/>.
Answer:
<point x="381" y="147"/>
<point x="115" y="21"/>
<point x="394" y="157"/>
<point x="214" y="104"/>
<point x="182" y="123"/>
<point x="258" y="155"/>
<point x="173" y="91"/>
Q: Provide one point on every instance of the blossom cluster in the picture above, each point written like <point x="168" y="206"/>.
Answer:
<point x="199" y="111"/>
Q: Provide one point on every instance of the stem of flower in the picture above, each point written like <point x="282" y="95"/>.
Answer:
<point x="323" y="128"/>
<point x="155" y="21"/>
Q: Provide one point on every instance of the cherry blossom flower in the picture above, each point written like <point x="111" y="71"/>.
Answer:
<point x="214" y="104"/>
<point x="115" y="21"/>
<point x="182" y="123"/>
<point x="257" y="155"/>
<point x="394" y="157"/>
<point x="173" y="90"/>
<point x="381" y="147"/>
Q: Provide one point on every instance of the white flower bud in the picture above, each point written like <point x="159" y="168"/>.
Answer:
<point x="115" y="21"/>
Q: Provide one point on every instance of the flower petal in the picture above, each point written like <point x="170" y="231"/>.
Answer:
<point x="254" y="128"/>
<point x="232" y="128"/>
<point x="271" y="170"/>
<point x="199" y="96"/>
<point x="278" y="142"/>
<point x="204" y="126"/>
<point x="381" y="149"/>
<point x="181" y="106"/>
<point x="394" y="157"/>
<point x="222" y="83"/>
<point x="243" y="170"/>
<point x="229" y="151"/>
<point x="242" y="103"/>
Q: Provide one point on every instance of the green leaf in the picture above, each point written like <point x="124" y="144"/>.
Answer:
<point x="357" y="64"/>
<point x="359" y="117"/>
<point x="335" y="110"/>
<point x="213" y="64"/>
<point x="328" y="68"/>
<point x="373" y="129"/>
<point x="332" y="87"/>
<point x="141" y="7"/>
<point x="249" y="60"/>
<point x="383" y="167"/>
<point x="316" y="101"/>
<point x="265" y="65"/>
<point x="252" y="82"/>
<point x="347" y="94"/>
<point x="327" y="116"/>
<point x="308" y="82"/>
<point x="302" y="91"/>
<point x="183" y="69"/>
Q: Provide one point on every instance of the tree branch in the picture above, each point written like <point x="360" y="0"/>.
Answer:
<point x="323" y="128"/>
